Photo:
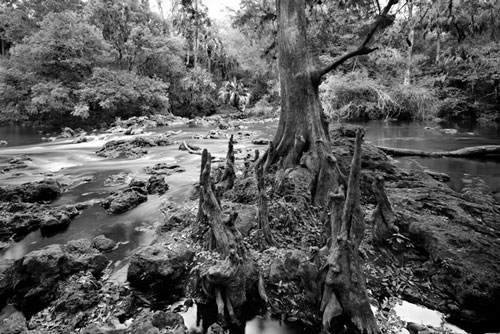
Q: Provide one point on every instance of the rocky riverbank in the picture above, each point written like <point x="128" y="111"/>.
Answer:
<point x="445" y="254"/>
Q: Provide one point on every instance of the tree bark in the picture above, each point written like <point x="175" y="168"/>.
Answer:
<point x="226" y="237"/>
<point x="469" y="152"/>
<point x="384" y="222"/>
<point x="229" y="173"/>
<point x="345" y="287"/>
<point x="411" y="40"/>
<point x="262" y="204"/>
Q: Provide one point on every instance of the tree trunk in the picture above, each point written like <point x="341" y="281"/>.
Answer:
<point x="438" y="45"/>
<point x="345" y="287"/>
<point x="302" y="126"/>
<point x="411" y="40"/>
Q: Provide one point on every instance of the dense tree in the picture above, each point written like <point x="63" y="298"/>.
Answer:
<point x="65" y="48"/>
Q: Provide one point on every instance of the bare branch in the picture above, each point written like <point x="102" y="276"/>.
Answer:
<point x="382" y="22"/>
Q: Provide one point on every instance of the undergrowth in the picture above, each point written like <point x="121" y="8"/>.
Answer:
<point x="357" y="96"/>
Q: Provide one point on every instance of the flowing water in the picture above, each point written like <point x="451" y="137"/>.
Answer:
<point x="77" y="166"/>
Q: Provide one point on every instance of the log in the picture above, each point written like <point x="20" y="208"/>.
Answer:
<point x="468" y="152"/>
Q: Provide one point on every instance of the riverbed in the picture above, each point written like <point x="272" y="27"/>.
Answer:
<point x="85" y="175"/>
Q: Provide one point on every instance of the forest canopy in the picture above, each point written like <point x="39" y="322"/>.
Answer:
<point x="437" y="59"/>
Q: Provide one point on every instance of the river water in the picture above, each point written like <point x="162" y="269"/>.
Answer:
<point x="77" y="166"/>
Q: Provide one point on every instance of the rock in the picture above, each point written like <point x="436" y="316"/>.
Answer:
<point x="164" y="169"/>
<point x="161" y="269"/>
<point x="414" y="328"/>
<point x="103" y="244"/>
<point x="157" y="185"/>
<point x="5" y="280"/>
<point x="18" y="219"/>
<point x="260" y="141"/>
<point x="43" y="191"/>
<point x="3" y="143"/>
<point x="14" y="324"/>
<point x="82" y="139"/>
<point x="215" y="328"/>
<point x="134" y="148"/>
<point x="442" y="177"/>
<point x="149" y="322"/>
<point x="118" y="179"/>
<point x="126" y="199"/>
<point x="54" y="223"/>
<point x="67" y="133"/>
<point x="77" y="293"/>
<point x="36" y="276"/>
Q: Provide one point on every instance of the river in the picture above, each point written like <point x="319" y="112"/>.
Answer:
<point x="77" y="166"/>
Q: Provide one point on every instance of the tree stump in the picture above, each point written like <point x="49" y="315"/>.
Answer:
<point x="229" y="280"/>
<point x="263" y="209"/>
<point x="345" y="288"/>
<point x="384" y="219"/>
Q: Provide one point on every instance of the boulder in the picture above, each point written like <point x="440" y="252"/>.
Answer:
<point x="36" y="276"/>
<point x="157" y="185"/>
<point x="43" y="191"/>
<point x="134" y="148"/>
<point x="164" y="169"/>
<point x="5" y="280"/>
<point x="3" y="143"/>
<point x="18" y="219"/>
<point x="14" y="324"/>
<point x="53" y="223"/>
<point x="260" y="141"/>
<point x="161" y="269"/>
<point x="103" y="244"/>
<point x="126" y="199"/>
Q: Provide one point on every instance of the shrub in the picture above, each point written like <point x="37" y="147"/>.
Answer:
<point x="108" y="94"/>
<point x="356" y="96"/>
<point x="235" y="94"/>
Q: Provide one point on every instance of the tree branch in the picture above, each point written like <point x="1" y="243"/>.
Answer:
<point x="382" y="21"/>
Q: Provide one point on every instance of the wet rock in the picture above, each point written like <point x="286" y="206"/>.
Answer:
<point x="126" y="199"/>
<point x="442" y="177"/>
<point x="43" y="191"/>
<point x="52" y="223"/>
<point x="260" y="141"/>
<point x="157" y="185"/>
<point x="118" y="179"/>
<point x="3" y="143"/>
<point x="14" y="324"/>
<point x="18" y="219"/>
<point x="133" y="131"/>
<point x="103" y="244"/>
<point x="17" y="163"/>
<point x="151" y="322"/>
<point x="36" y="276"/>
<point x="414" y="328"/>
<point x="460" y="238"/>
<point x="215" y="328"/>
<point x="5" y="280"/>
<point x="134" y="148"/>
<point x="164" y="169"/>
<point x="160" y="270"/>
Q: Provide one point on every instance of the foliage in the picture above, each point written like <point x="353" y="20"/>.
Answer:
<point x="235" y="94"/>
<point x="15" y="86"/>
<point x="356" y="96"/>
<point x="50" y="97"/>
<point x="198" y="91"/>
<point x="115" y="93"/>
<point x="65" y="48"/>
